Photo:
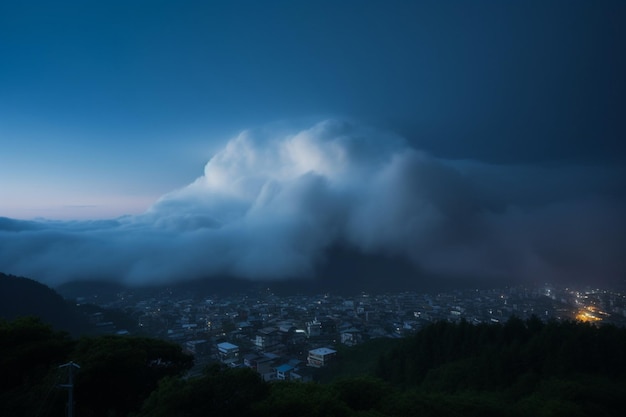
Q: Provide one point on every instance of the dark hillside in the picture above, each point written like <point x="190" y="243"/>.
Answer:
<point x="21" y="297"/>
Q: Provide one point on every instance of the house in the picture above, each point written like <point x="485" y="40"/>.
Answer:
<point x="266" y="338"/>
<point x="313" y="328"/>
<point x="302" y="375"/>
<point x="264" y="364"/>
<point x="197" y="347"/>
<point x="228" y="353"/>
<point x="328" y="326"/>
<point x="283" y="372"/>
<point x="250" y="360"/>
<point x="296" y="363"/>
<point x="245" y="328"/>
<point x="351" y="337"/>
<point x="320" y="357"/>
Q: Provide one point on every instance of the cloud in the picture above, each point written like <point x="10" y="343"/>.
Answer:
<point x="270" y="206"/>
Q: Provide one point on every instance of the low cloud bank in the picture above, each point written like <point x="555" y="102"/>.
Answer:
<point x="270" y="205"/>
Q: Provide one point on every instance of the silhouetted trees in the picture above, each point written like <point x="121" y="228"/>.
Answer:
<point x="117" y="373"/>
<point x="218" y="392"/>
<point x="486" y="356"/>
<point x="29" y="350"/>
<point x="519" y="368"/>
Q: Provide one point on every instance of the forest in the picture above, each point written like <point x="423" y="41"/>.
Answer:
<point x="519" y="368"/>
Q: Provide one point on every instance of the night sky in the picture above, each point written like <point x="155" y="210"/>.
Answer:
<point x="144" y="141"/>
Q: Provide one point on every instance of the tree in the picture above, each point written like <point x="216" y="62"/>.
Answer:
<point x="362" y="393"/>
<point x="30" y="352"/>
<point x="302" y="399"/>
<point x="118" y="373"/>
<point x="219" y="392"/>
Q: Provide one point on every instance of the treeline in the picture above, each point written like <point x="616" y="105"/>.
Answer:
<point x="117" y="373"/>
<point x="517" y="368"/>
<point x="521" y="368"/>
<point x="450" y="357"/>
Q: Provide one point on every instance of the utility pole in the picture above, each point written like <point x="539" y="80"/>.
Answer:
<point x="70" y="387"/>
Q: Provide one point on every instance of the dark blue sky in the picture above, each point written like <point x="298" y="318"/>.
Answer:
<point x="108" y="106"/>
<point x="152" y="88"/>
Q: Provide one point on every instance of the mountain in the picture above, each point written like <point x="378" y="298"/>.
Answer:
<point x="25" y="297"/>
<point x="104" y="290"/>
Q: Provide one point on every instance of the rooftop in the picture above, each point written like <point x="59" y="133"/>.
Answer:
<point x="227" y="346"/>
<point x="284" y="368"/>
<point x="322" y="351"/>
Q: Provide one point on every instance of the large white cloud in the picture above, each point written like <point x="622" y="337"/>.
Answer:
<point x="269" y="206"/>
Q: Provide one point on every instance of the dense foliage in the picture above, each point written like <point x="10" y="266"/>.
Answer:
<point x="451" y="357"/>
<point x="219" y="392"/>
<point x="28" y="351"/>
<point x="521" y="368"/>
<point x="117" y="373"/>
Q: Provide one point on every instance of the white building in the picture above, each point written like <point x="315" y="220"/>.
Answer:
<point x="313" y="328"/>
<point x="320" y="357"/>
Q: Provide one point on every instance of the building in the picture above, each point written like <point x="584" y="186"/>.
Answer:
<point x="265" y="366"/>
<point x="283" y="372"/>
<point x="250" y="360"/>
<point x="320" y="357"/>
<point x="197" y="347"/>
<point x="301" y="375"/>
<point x="228" y="353"/>
<point x="351" y="337"/>
<point x="267" y="338"/>
<point x="313" y="328"/>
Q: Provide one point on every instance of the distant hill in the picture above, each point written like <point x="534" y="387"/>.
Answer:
<point x="106" y="291"/>
<point x="25" y="297"/>
<point x="343" y="270"/>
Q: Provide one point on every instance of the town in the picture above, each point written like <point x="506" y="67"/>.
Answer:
<point x="288" y="337"/>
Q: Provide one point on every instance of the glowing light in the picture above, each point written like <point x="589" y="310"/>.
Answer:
<point x="586" y="315"/>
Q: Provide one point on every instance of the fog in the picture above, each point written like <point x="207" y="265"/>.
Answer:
<point x="271" y="203"/>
